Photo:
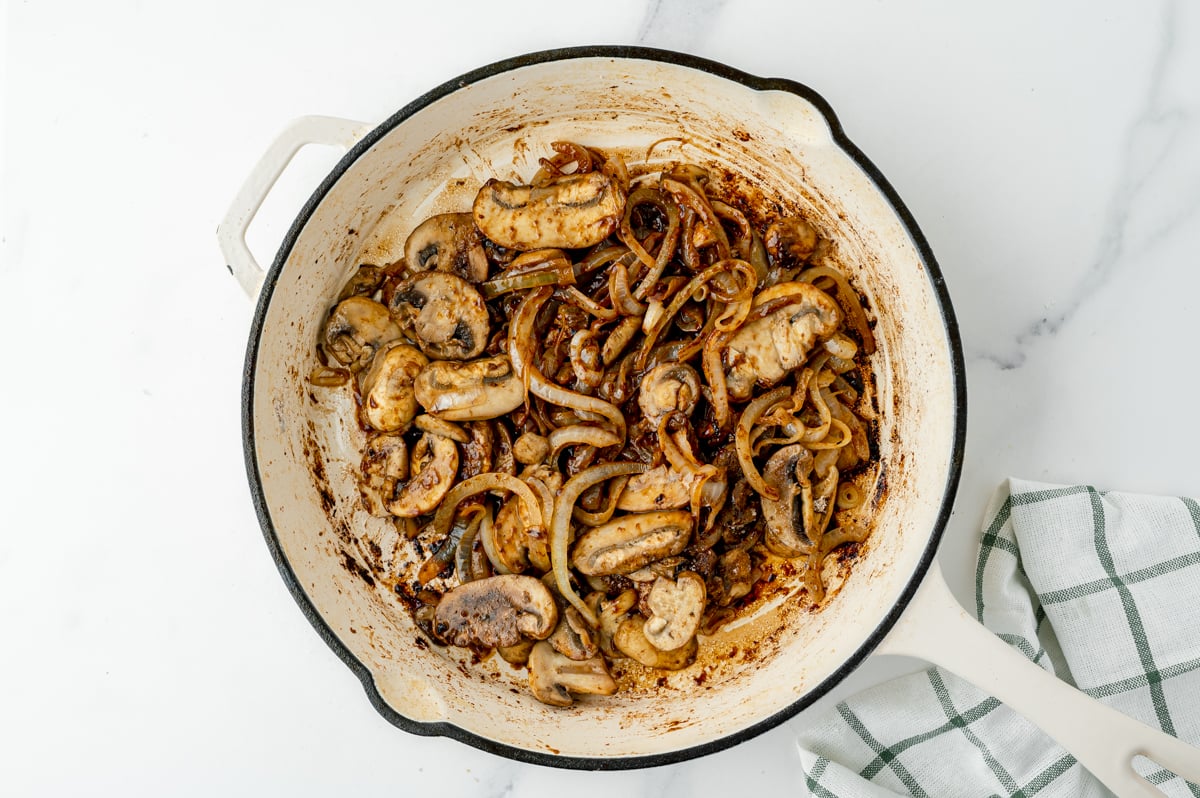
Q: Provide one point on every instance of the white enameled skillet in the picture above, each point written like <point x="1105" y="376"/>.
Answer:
<point x="303" y="450"/>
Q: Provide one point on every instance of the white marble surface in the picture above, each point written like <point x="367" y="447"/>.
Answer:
<point x="1050" y="153"/>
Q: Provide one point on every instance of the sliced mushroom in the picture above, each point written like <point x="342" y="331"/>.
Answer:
<point x="668" y="387"/>
<point x="631" y="641"/>
<point x="516" y="655"/>
<point x="356" y="328"/>
<point x="434" y="463"/>
<point x="573" y="211"/>
<point x="788" y="472"/>
<point x="497" y="611"/>
<point x="388" y="402"/>
<point x="737" y="575"/>
<point x="765" y="350"/>
<point x="790" y="241"/>
<point x="531" y="449"/>
<point x="631" y="542"/>
<point x="676" y="606"/>
<point x="553" y="677"/>
<point x="476" y="453"/>
<point x="384" y="463"/>
<point x="447" y="242"/>
<point x="518" y="542"/>
<point x="610" y="613"/>
<point x="660" y="488"/>
<point x="445" y="314"/>
<point x="364" y="282"/>
<point x="573" y="638"/>
<point x="471" y="391"/>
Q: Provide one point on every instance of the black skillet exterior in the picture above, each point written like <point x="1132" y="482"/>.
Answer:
<point x="619" y="763"/>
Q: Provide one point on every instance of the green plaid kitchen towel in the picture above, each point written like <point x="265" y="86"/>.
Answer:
<point x="1103" y="590"/>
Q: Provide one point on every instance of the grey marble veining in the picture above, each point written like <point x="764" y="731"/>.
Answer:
<point x="677" y="24"/>
<point x="1149" y="201"/>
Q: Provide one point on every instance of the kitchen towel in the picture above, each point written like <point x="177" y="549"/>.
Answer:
<point x="1103" y="590"/>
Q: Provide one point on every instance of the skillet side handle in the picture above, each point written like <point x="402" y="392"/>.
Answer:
<point x="231" y="233"/>
<point x="936" y="628"/>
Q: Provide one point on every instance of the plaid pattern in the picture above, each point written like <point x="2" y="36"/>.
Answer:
<point x="1101" y="589"/>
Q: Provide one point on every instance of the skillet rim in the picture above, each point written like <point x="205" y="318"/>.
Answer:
<point x="958" y="369"/>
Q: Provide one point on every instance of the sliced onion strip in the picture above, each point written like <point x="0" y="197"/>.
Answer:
<point x="745" y="455"/>
<point x="560" y="525"/>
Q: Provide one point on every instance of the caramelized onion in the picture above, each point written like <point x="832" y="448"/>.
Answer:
<point x="750" y="417"/>
<point x="560" y="525"/>
<point x="521" y="337"/>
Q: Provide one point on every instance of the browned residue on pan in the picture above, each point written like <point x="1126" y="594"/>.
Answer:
<point x="730" y="655"/>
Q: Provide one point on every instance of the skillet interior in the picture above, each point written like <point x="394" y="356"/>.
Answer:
<point x="303" y="447"/>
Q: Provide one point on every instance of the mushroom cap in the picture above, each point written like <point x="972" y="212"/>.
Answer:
<point x="496" y="611"/>
<point x="384" y="463"/>
<point x="611" y="613"/>
<point x="444" y="313"/>
<point x="660" y="488"/>
<point x="448" y="242"/>
<point x="356" y="328"/>
<point x="631" y="641"/>
<point x="554" y="677"/>
<point x="471" y="391"/>
<point x="573" y="638"/>
<point x="632" y="542"/>
<point x="388" y="401"/>
<point x="766" y="350"/>
<point x="531" y="448"/>
<point x="570" y="212"/>
<point x="668" y="387"/>
<point x="787" y="471"/>
<point x="434" y="464"/>
<point x="790" y="241"/>
<point x="516" y="544"/>
<point x="676" y="606"/>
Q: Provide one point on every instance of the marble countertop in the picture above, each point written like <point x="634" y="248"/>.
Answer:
<point x="1050" y="153"/>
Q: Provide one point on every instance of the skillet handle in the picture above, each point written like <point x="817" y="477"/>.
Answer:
<point x="936" y="628"/>
<point x="231" y="234"/>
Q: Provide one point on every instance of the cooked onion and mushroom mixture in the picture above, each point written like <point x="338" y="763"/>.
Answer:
<point x="609" y="399"/>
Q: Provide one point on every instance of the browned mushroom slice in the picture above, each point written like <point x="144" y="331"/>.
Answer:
<point x="471" y="391"/>
<point x="553" y="677"/>
<point x="631" y="641"/>
<point x="447" y="242"/>
<point x="765" y="350"/>
<point x="516" y="655"/>
<point x="660" y="488"/>
<point x="736" y="571"/>
<point x="573" y="211"/>
<point x="790" y="241"/>
<point x="676" y="606"/>
<point x="611" y="613"/>
<point x="445" y="314"/>
<point x="631" y="542"/>
<point x="666" y="388"/>
<point x="384" y="464"/>
<point x="531" y="449"/>
<point x="356" y="328"/>
<point x="497" y="611"/>
<point x="573" y="638"/>
<point x="517" y="541"/>
<point x="388" y="401"/>
<point x="434" y="463"/>
<point x="787" y="519"/>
